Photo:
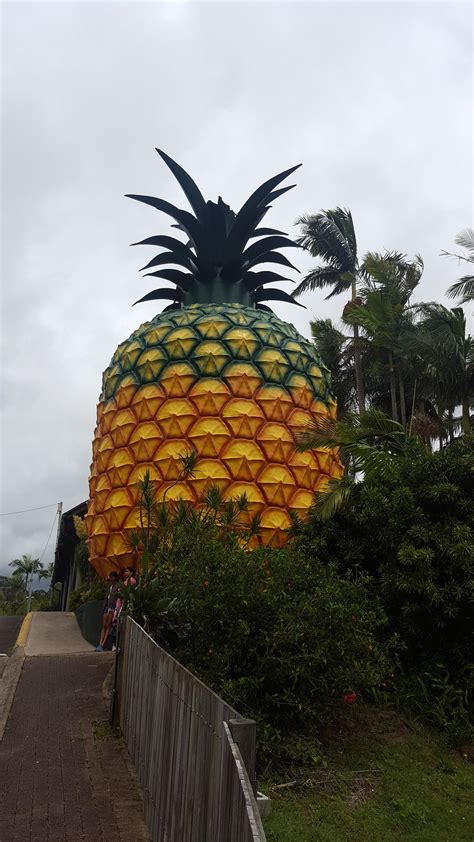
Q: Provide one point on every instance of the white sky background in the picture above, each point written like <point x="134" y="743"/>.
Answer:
<point x="375" y="99"/>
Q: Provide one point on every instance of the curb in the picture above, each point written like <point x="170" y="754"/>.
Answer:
<point x="11" y="673"/>
<point x="8" y="685"/>
<point x="24" y="630"/>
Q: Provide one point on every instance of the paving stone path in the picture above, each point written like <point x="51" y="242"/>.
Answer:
<point x="63" y="776"/>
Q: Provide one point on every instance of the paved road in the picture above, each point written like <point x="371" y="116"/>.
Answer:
<point x="63" y="776"/>
<point x="9" y="628"/>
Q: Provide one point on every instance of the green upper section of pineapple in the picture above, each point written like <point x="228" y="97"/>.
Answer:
<point x="211" y="339"/>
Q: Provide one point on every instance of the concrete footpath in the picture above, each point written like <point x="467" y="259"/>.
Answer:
<point x="64" y="776"/>
<point x="55" y="633"/>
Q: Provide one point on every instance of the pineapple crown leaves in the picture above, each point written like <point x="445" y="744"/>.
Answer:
<point x="216" y="263"/>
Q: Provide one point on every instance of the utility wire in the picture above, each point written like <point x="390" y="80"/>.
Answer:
<point x="49" y="537"/>
<point x="22" y="511"/>
<point x="30" y="593"/>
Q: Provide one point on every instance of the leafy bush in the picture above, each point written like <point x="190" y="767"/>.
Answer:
<point x="40" y="601"/>
<point x="279" y="635"/>
<point x="151" y="608"/>
<point x="285" y="634"/>
<point x="93" y="589"/>
<point x="412" y="530"/>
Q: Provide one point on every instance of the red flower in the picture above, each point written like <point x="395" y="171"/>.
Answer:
<point x="350" y="698"/>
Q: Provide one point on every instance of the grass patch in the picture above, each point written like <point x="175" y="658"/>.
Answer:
<point x="385" y="779"/>
<point x="103" y="730"/>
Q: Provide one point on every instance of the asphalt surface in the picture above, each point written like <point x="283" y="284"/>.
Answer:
<point x="9" y="628"/>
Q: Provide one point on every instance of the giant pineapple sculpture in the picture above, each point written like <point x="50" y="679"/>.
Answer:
<point x="216" y="372"/>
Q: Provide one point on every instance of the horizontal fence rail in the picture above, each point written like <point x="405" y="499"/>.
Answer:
<point x="240" y="817"/>
<point x="194" y="754"/>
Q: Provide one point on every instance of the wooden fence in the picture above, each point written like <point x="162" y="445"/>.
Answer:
<point x="195" y="755"/>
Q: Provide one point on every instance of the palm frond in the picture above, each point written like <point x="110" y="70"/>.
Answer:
<point x="330" y="499"/>
<point x="466" y="239"/>
<point x="393" y="274"/>
<point x="446" y="326"/>
<point x="376" y="317"/>
<point x="352" y="433"/>
<point x="463" y="289"/>
<point x="321" y="277"/>
<point x="324" y="236"/>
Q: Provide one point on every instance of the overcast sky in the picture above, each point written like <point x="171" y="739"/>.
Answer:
<point x="375" y="99"/>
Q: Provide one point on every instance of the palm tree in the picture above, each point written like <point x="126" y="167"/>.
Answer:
<point x="26" y="568"/>
<point x="463" y="288"/>
<point x="385" y="316"/>
<point x="367" y="443"/>
<point x="330" y="236"/>
<point x="449" y="358"/>
<point x="335" y="350"/>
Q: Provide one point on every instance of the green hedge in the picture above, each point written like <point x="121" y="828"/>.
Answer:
<point x="281" y="636"/>
<point x="412" y="530"/>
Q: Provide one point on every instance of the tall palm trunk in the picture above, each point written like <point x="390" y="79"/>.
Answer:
<point x="450" y="426"/>
<point x="440" y="418"/>
<point x="357" y="359"/>
<point x="466" y="420"/>
<point x="393" y="387"/>
<point x="403" y="411"/>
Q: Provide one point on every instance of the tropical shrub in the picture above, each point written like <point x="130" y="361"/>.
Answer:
<point x="148" y="604"/>
<point x="93" y="589"/>
<point x="279" y="635"/>
<point x="410" y="526"/>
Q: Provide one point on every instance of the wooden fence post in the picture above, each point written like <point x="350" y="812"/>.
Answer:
<point x="114" y="714"/>
<point x="244" y="733"/>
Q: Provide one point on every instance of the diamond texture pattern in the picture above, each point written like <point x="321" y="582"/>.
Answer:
<point x="235" y="383"/>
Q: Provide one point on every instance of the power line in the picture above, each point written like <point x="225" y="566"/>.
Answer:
<point x="30" y="594"/>
<point x="49" y="536"/>
<point x="23" y="511"/>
